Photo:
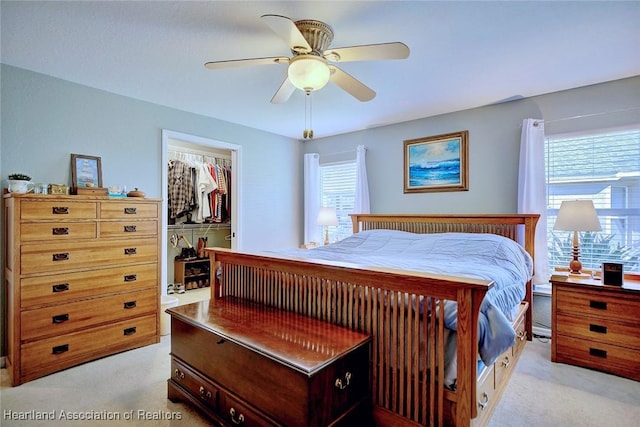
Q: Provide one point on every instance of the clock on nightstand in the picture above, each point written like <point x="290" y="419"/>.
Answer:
<point x="596" y="326"/>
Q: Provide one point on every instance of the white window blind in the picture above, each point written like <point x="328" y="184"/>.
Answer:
<point x="603" y="167"/>
<point x="338" y="190"/>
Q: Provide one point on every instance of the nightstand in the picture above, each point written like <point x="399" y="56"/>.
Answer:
<point x="596" y="326"/>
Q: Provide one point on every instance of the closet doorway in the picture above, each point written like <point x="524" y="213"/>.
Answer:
<point x="196" y="146"/>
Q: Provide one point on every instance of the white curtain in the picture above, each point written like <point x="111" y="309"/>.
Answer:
<point x="361" y="203"/>
<point x="311" y="197"/>
<point x="532" y="191"/>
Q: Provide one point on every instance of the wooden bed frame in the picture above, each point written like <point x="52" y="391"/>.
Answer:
<point x="408" y="342"/>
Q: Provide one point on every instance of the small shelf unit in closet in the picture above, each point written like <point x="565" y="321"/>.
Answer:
<point x="193" y="273"/>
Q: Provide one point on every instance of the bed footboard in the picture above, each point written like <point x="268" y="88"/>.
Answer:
<point x="401" y="310"/>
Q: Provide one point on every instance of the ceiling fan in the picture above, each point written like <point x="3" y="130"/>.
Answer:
<point x="312" y="65"/>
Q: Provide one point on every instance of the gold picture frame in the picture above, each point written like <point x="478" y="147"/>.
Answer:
<point x="86" y="171"/>
<point x="437" y="163"/>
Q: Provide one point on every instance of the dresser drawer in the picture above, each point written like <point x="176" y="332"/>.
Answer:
<point x="57" y="210"/>
<point x="50" y="257"/>
<point x="596" y="304"/>
<point x="200" y="387"/>
<point x="238" y="412"/>
<point x="601" y="330"/>
<point x="65" y="287"/>
<point x="128" y="228"/>
<point x="102" y="340"/>
<point x="57" y="320"/>
<point x="128" y="210"/>
<point x="58" y="231"/>
<point x="600" y="356"/>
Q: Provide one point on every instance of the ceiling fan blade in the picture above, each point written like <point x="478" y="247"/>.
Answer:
<point x="233" y="63"/>
<point x="284" y="92"/>
<point x="368" y="52"/>
<point x="287" y="30"/>
<point x="351" y="85"/>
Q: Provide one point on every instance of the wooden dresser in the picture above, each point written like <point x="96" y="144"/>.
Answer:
<point x="596" y="326"/>
<point x="82" y="276"/>
<point x="242" y="363"/>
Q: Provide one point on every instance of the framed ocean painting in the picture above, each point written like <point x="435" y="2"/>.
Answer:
<point x="437" y="163"/>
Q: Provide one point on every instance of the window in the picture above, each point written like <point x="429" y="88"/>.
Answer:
<point x="603" y="167"/>
<point x="338" y="190"/>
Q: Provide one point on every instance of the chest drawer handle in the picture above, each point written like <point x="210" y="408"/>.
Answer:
<point x="59" y="349"/>
<point x="179" y="374"/>
<point x="61" y="257"/>
<point x="600" y="305"/>
<point x="598" y="328"/>
<point x="61" y="287"/>
<point x="130" y="304"/>
<point x="597" y="352"/>
<point x="60" y="231"/>
<point x="130" y="331"/>
<point x="236" y="420"/>
<point x="129" y="228"/>
<point x="60" y="318"/>
<point x="347" y="380"/>
<point x="60" y="210"/>
<point x="130" y="251"/>
<point x="130" y="278"/>
<point x="206" y="394"/>
<point x="130" y="211"/>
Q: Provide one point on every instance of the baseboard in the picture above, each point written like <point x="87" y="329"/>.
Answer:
<point x="541" y="332"/>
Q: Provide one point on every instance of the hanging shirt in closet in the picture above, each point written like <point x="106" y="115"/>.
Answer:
<point x="205" y="184"/>
<point x="180" y="189"/>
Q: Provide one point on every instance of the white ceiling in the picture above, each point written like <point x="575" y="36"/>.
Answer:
<point x="463" y="54"/>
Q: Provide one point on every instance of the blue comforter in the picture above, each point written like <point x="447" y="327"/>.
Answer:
<point x="481" y="256"/>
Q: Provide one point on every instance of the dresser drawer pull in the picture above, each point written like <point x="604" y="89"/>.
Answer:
<point x="130" y="304"/>
<point x="130" y="211"/>
<point x="130" y="251"/>
<point x="60" y="231"/>
<point x="130" y="331"/>
<point x="179" y="374"/>
<point x="347" y="380"/>
<point x="129" y="228"/>
<point x="60" y="318"/>
<point x="60" y="287"/>
<point x="598" y="328"/>
<point x="130" y="278"/>
<point x="506" y="362"/>
<point x="484" y="402"/>
<point x="600" y="305"/>
<point x="597" y="352"/>
<point x="60" y="210"/>
<point x="236" y="420"/>
<point x="204" y="393"/>
<point x="59" y="349"/>
<point x="522" y="335"/>
<point x="61" y="257"/>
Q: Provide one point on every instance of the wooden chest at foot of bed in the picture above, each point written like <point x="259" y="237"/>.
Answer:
<point x="241" y="363"/>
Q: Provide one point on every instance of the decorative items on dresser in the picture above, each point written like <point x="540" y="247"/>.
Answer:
<point x="82" y="276"/>
<point x="596" y="326"/>
<point x="243" y="363"/>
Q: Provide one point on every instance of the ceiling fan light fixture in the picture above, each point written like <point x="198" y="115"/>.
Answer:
<point x="308" y="72"/>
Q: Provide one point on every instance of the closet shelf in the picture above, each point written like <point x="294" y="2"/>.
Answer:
<point x="212" y="226"/>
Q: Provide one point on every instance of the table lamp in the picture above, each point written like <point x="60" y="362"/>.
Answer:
<point x="326" y="218"/>
<point x="577" y="215"/>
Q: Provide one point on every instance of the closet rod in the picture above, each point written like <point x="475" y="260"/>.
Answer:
<point x="214" y="154"/>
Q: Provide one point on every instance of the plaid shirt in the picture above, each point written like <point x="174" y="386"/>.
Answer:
<point x="180" y="192"/>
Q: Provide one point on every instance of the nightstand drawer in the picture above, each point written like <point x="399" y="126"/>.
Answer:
<point x="599" y="330"/>
<point x="597" y="304"/>
<point x="599" y="356"/>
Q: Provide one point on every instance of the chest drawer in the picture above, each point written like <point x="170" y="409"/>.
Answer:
<point x="237" y="412"/>
<point x="596" y="304"/>
<point x="128" y="210"/>
<point x="57" y="231"/>
<point x="196" y="384"/>
<point x="56" y="320"/>
<point x="65" y="287"/>
<point x="128" y="228"/>
<point x="50" y="257"/>
<point x="46" y="353"/>
<point x="600" y="330"/>
<point x="58" y="210"/>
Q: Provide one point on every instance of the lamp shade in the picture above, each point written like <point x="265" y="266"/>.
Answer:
<point x="577" y="215"/>
<point x="327" y="216"/>
<point x="308" y="72"/>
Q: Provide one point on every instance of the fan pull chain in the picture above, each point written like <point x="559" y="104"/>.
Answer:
<point x="307" y="133"/>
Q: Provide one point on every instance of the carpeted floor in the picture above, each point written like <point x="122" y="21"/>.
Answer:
<point x="131" y="389"/>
